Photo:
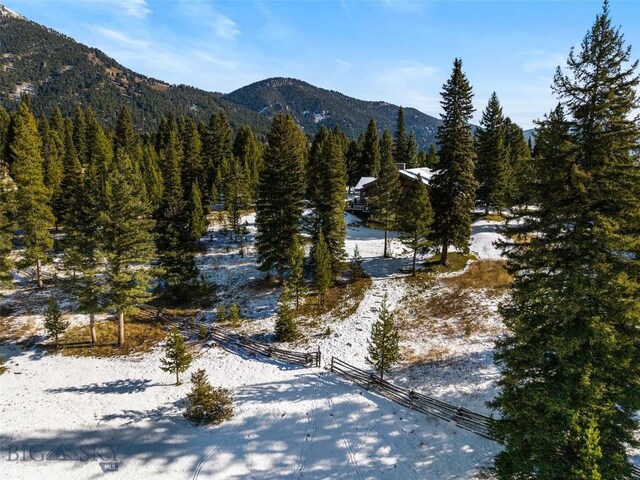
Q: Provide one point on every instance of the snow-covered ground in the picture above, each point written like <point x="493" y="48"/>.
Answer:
<point x="289" y="422"/>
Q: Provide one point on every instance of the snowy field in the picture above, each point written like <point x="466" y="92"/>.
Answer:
<point x="289" y="422"/>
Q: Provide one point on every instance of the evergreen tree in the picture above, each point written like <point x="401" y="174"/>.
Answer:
<point x="412" y="151"/>
<point x="322" y="277"/>
<point x="83" y="255"/>
<point x="250" y="152"/>
<point x="193" y="170"/>
<point x="355" y="264"/>
<point x="152" y="176"/>
<point x="370" y="157"/>
<point x="217" y="149"/>
<point x="286" y="328"/>
<point x="571" y="363"/>
<point x="52" y="155"/>
<point x="400" y="153"/>
<point x="126" y="140"/>
<point x="128" y="242"/>
<point x="453" y="185"/>
<point x="5" y="122"/>
<point x="99" y="151"/>
<point x="353" y="159"/>
<point x="415" y="217"/>
<point x="71" y="178"/>
<point x="54" y="324"/>
<point x="205" y="404"/>
<point x="7" y="225"/>
<point x="492" y="166"/>
<point x="197" y="215"/>
<point x="386" y="192"/>
<point x="79" y="129"/>
<point x="383" y="346"/>
<point x="177" y="263"/>
<point x="520" y="165"/>
<point x="236" y="194"/>
<point x="297" y="282"/>
<point x="280" y="194"/>
<point x="432" y="157"/>
<point x="33" y="214"/>
<point x="177" y="358"/>
<point x="327" y="188"/>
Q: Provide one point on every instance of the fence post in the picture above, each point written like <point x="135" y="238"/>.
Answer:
<point x="332" y="363"/>
<point x="318" y="357"/>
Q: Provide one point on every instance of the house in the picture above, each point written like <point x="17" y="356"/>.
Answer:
<point x="358" y="201"/>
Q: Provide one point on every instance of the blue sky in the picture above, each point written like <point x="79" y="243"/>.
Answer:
<point x="392" y="50"/>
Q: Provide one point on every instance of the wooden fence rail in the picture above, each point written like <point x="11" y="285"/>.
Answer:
<point x="462" y="417"/>
<point x="225" y="336"/>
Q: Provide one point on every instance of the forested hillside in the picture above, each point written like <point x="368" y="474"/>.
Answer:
<point x="58" y="71"/>
<point x="313" y="107"/>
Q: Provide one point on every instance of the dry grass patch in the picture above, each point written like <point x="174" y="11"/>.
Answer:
<point x="453" y="308"/>
<point x="410" y="357"/>
<point x="341" y="301"/>
<point x="141" y="335"/>
<point x="2" y="367"/>
<point x="12" y="329"/>
<point x="482" y="274"/>
<point x="456" y="261"/>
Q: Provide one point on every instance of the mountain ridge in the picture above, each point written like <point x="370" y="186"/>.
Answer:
<point x="56" y="70"/>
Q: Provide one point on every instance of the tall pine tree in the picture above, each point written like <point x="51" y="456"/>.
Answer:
<point x="570" y="382"/>
<point x="370" y="156"/>
<point x="280" y="194"/>
<point x="492" y="165"/>
<point x="386" y="192"/>
<point x="327" y="188"/>
<point x="33" y="214"/>
<point x="177" y="264"/>
<point x="415" y="217"/>
<point x="128" y="242"/>
<point x="400" y="140"/>
<point x="454" y="184"/>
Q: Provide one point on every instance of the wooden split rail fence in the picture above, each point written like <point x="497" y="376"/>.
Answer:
<point x="635" y="472"/>
<point x="224" y="336"/>
<point x="463" y="418"/>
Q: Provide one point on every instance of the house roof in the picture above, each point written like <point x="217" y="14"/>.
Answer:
<point x="364" y="181"/>
<point x="412" y="174"/>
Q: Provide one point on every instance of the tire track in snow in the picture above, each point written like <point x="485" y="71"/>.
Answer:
<point x="373" y="425"/>
<point x="351" y="455"/>
<point x="312" y="425"/>
<point x="215" y="450"/>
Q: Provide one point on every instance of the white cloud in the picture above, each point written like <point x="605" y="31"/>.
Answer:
<point x="133" y="8"/>
<point x="343" y="64"/>
<point x="225" y="27"/>
<point x="121" y="37"/>
<point x="204" y="13"/>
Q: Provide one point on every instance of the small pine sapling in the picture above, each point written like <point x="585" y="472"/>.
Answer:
<point x="177" y="358"/>
<point x="203" y="333"/>
<point x="53" y="321"/>
<point x="355" y="265"/>
<point x="234" y="315"/>
<point x="221" y="313"/>
<point x="207" y="405"/>
<point x="286" y="328"/>
<point x="321" y="268"/>
<point x="383" y="346"/>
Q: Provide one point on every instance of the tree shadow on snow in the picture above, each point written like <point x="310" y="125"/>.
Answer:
<point x="339" y="432"/>
<point x="119" y="387"/>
